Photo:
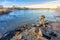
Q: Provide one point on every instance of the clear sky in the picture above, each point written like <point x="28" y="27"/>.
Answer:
<point x="22" y="2"/>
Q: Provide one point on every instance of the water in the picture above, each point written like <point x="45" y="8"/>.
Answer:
<point x="19" y="17"/>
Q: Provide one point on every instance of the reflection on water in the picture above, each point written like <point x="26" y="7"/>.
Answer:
<point x="19" y="17"/>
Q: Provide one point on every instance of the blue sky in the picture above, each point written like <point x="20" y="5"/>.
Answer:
<point x="22" y="2"/>
<point x="27" y="1"/>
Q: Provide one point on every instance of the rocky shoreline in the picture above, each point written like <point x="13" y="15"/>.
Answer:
<point x="55" y="26"/>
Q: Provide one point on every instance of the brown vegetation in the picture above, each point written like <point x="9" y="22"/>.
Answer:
<point x="45" y="8"/>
